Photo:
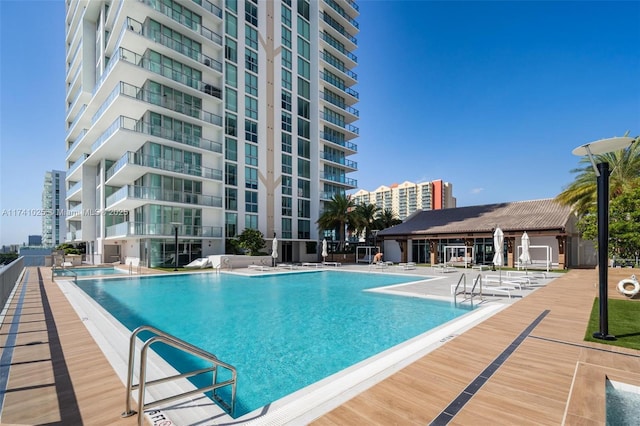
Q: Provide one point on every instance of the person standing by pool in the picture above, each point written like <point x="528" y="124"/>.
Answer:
<point x="378" y="257"/>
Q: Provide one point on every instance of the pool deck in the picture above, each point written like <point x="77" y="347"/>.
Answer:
<point x="527" y="364"/>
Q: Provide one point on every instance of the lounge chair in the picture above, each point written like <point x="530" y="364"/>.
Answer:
<point x="336" y="264"/>
<point x="407" y="265"/>
<point x="260" y="268"/>
<point x="316" y="264"/>
<point x="200" y="263"/>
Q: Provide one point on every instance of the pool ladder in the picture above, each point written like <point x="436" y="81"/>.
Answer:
<point x="463" y="280"/>
<point x="160" y="336"/>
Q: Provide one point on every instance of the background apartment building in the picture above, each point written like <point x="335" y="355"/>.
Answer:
<point x="203" y="118"/>
<point x="406" y="198"/>
<point x="54" y="226"/>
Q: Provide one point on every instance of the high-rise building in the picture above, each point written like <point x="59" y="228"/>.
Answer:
<point x="54" y="227"/>
<point x="406" y="198"/>
<point x="202" y="118"/>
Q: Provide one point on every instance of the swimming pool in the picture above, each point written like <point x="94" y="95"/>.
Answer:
<point x="281" y="332"/>
<point x="91" y="272"/>
<point x="623" y="404"/>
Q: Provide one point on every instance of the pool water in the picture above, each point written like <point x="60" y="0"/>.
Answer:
<point x="281" y="332"/>
<point x="623" y="404"/>
<point x="91" y="272"/>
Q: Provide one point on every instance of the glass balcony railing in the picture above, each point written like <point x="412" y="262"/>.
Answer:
<point x="335" y="6"/>
<point x="163" y="164"/>
<point x="338" y="160"/>
<point x="184" y="20"/>
<point x="339" y="28"/>
<point x="331" y="60"/>
<point x="339" y="85"/>
<point x="158" y="194"/>
<point x="140" y="126"/>
<point x="339" y="178"/>
<point x="336" y="101"/>
<point x="338" y="46"/>
<point x="338" y="141"/>
<point x="74" y="188"/>
<point x="340" y="123"/>
<point x="149" y="229"/>
<point x="77" y="164"/>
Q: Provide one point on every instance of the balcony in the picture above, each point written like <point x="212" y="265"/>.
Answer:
<point x="183" y="20"/>
<point x="121" y="171"/>
<point x="129" y="197"/>
<point x="341" y="179"/>
<point x="134" y="229"/>
<point x="336" y="102"/>
<point x="339" y="160"/>
<point x="138" y="93"/>
<point x="335" y="7"/>
<point x="339" y="47"/>
<point x="338" y="85"/>
<point x="341" y="125"/>
<point x="340" y="142"/>
<point x="140" y="126"/>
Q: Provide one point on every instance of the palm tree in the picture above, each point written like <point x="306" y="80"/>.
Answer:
<point x="337" y="214"/>
<point x="624" y="166"/>
<point x="366" y="218"/>
<point x="387" y="219"/>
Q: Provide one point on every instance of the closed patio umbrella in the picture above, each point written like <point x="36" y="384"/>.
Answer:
<point x="525" y="257"/>
<point x="324" y="249"/>
<point x="274" y="250"/>
<point x="498" y="257"/>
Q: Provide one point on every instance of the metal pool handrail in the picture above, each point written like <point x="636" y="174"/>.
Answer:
<point x="64" y="270"/>
<point x="160" y="336"/>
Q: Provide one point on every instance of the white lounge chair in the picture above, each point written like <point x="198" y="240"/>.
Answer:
<point x="316" y="264"/>
<point x="200" y="263"/>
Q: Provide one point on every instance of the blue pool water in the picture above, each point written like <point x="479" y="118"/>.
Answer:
<point x="90" y="272"/>
<point x="281" y="332"/>
<point x="623" y="406"/>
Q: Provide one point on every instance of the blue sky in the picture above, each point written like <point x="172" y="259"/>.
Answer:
<point x="490" y="96"/>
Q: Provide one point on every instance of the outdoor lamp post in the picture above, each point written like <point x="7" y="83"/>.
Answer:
<point x="603" y="146"/>
<point x="175" y="260"/>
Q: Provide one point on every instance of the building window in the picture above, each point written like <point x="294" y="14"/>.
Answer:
<point x="304" y="48"/>
<point x="251" y="154"/>
<point x="250" y="178"/>
<point x="286" y="228"/>
<point x="286" y="79"/>
<point x="286" y="37"/>
<point x="286" y="164"/>
<point x="231" y="99"/>
<point x="286" y="121"/>
<point x="304" y="227"/>
<point x="231" y="25"/>
<point x="304" y="128"/>
<point x="287" y="184"/>
<point x="231" y="224"/>
<point x="251" y="201"/>
<point x="231" y="50"/>
<point x="304" y="168"/>
<point x="304" y="68"/>
<point x="231" y="125"/>
<point x="286" y="142"/>
<point x="251" y="13"/>
<point x="230" y="174"/>
<point x="251" y="221"/>
<point x="304" y="208"/>
<point x="231" y="149"/>
<point x="286" y="100"/>
<point x="286" y="207"/>
<point x="231" y="74"/>
<point x="251" y="84"/>
<point x="304" y="148"/>
<point x="231" y="199"/>
<point x="251" y="107"/>
<point x="304" y="88"/>
<point x="286" y="16"/>
<point x="304" y="188"/>
<point x="286" y="58"/>
<point x="251" y="60"/>
<point x="251" y="131"/>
